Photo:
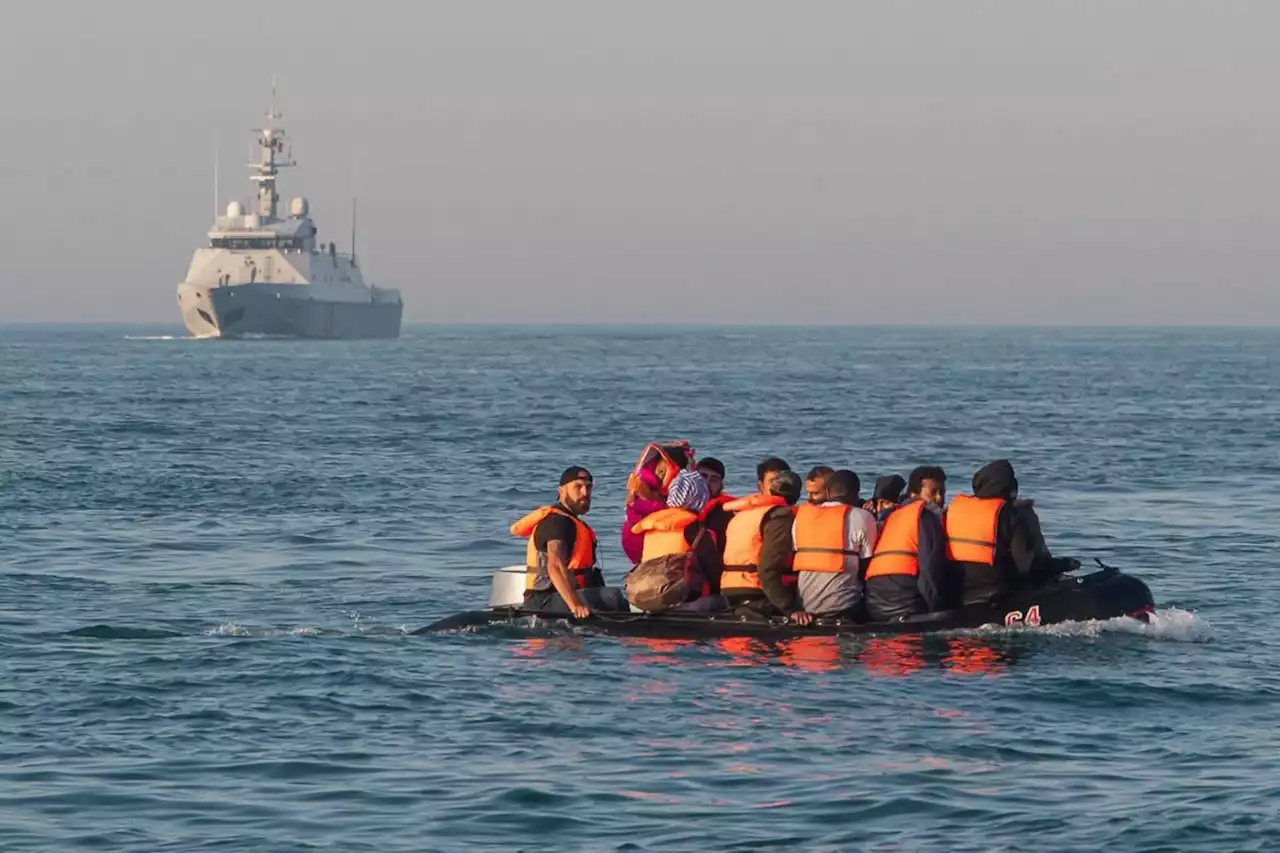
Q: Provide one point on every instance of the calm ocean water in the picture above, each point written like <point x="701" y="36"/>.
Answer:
<point x="211" y="552"/>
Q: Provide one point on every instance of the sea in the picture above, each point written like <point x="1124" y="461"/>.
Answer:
<point x="212" y="554"/>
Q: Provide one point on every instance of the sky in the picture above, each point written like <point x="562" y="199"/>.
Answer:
<point x="847" y="162"/>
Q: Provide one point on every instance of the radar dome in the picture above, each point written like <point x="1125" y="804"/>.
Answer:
<point x="233" y="209"/>
<point x="299" y="207"/>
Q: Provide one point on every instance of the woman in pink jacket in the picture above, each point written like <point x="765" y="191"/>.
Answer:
<point x="657" y="467"/>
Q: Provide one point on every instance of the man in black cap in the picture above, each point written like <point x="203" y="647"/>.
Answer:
<point x="712" y="470"/>
<point x="996" y="538"/>
<point x="562" y="572"/>
<point x="887" y="496"/>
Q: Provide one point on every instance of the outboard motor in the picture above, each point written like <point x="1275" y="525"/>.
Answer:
<point x="507" y="589"/>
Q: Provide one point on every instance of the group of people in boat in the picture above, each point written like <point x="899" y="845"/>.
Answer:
<point x="800" y="549"/>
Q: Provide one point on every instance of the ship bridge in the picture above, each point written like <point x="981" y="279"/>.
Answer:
<point x="252" y="231"/>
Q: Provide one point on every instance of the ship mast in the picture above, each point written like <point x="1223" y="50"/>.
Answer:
<point x="271" y="141"/>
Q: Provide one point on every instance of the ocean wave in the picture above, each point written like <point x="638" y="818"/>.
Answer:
<point x="358" y="629"/>
<point x="1173" y="623"/>
<point x="122" y="632"/>
<point x="229" y="629"/>
<point x="195" y="686"/>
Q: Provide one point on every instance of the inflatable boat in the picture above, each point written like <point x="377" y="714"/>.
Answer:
<point x="1105" y="594"/>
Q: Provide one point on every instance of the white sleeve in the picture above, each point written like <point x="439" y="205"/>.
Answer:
<point x="863" y="533"/>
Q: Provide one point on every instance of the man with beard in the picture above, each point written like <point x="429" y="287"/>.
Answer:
<point x="562" y="574"/>
<point x="817" y="484"/>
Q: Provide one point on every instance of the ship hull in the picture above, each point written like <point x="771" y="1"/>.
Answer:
<point x="282" y="310"/>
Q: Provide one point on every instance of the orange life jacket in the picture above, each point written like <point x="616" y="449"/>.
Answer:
<point x="821" y="538"/>
<point x="719" y="500"/>
<point x="663" y="532"/>
<point x="743" y="542"/>
<point x="660" y="449"/>
<point x="971" y="529"/>
<point x="582" y="562"/>
<point x="898" y="548"/>
<point x="717" y="533"/>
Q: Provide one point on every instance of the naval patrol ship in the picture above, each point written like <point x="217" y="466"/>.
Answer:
<point x="266" y="275"/>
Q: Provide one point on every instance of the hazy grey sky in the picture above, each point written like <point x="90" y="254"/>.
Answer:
<point x="846" y="162"/>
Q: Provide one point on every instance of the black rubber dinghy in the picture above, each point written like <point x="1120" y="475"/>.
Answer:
<point x="1101" y="595"/>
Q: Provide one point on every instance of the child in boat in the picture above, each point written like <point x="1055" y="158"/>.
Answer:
<point x="677" y="547"/>
<point x="689" y="491"/>
<point x="647" y="490"/>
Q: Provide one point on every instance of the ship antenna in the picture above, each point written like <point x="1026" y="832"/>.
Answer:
<point x="271" y="140"/>
<point x="353" y="231"/>
<point x="216" y="159"/>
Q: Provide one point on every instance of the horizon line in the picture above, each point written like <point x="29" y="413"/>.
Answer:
<point x="621" y="324"/>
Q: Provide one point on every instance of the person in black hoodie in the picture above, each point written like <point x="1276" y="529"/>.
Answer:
<point x="995" y="538"/>
<point x="909" y="572"/>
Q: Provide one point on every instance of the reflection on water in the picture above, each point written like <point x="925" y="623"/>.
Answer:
<point x="649" y="651"/>
<point x="892" y="656"/>
<point x="971" y="656"/>
<point x="889" y="657"/>
<point x="815" y="654"/>
<point x="540" y="647"/>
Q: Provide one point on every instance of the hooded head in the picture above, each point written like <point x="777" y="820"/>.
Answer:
<point x="996" y="480"/>
<point x="688" y="491"/>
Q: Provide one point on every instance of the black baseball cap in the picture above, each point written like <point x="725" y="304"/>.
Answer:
<point x="889" y="488"/>
<point x="575" y="472"/>
<point x="712" y="464"/>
